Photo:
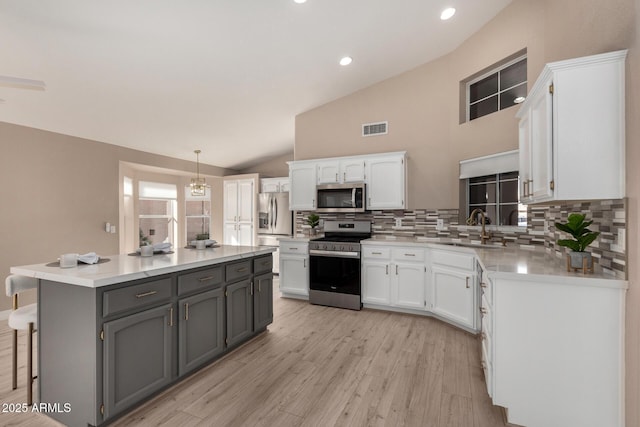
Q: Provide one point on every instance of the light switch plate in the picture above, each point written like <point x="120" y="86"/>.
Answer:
<point x="439" y="224"/>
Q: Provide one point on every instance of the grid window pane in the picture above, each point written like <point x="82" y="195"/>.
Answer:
<point x="482" y="108"/>
<point x="509" y="192"/>
<point x="154" y="207"/>
<point x="482" y="193"/>
<point x="513" y="74"/>
<point x="196" y="226"/>
<point x="509" y="214"/>
<point x="483" y="88"/>
<point x="507" y="97"/>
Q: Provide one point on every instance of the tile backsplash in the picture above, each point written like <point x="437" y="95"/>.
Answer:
<point x="609" y="218"/>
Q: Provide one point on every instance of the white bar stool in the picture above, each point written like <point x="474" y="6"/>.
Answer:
<point x="22" y="318"/>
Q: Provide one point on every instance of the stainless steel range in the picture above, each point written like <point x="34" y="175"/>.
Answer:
<point x="334" y="275"/>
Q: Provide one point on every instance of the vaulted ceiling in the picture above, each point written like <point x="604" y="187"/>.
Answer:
<point x="224" y="76"/>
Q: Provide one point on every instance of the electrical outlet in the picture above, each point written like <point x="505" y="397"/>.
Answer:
<point x="439" y="224"/>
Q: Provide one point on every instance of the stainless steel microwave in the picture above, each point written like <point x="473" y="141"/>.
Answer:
<point x="341" y="197"/>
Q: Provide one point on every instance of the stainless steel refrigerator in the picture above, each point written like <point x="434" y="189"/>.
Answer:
<point x="274" y="221"/>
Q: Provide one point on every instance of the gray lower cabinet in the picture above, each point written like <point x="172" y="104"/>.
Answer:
<point x="262" y="301"/>
<point x="137" y="357"/>
<point x="239" y="312"/>
<point x="201" y="329"/>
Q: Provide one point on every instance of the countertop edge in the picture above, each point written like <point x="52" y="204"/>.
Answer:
<point x="110" y="278"/>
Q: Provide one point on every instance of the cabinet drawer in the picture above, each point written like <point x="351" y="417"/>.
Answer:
<point x="136" y="296"/>
<point x="408" y="254"/>
<point x="200" y="279"/>
<point x="453" y="259"/>
<point x="376" y="252"/>
<point x="238" y="270"/>
<point x="294" y="248"/>
<point x="263" y="265"/>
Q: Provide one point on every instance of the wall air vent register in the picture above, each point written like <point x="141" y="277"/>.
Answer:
<point x="372" y="129"/>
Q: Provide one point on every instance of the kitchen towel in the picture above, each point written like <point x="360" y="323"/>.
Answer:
<point x="89" y="258"/>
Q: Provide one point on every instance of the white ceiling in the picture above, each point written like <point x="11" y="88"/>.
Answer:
<point x="225" y="76"/>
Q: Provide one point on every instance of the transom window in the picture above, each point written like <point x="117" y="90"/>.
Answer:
<point x="500" y="88"/>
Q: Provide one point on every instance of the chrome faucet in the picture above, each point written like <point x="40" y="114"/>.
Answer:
<point x="484" y="236"/>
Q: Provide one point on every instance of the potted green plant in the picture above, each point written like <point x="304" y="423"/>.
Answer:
<point x="577" y="227"/>
<point x="312" y="221"/>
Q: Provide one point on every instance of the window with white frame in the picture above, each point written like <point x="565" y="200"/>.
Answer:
<point x="497" y="196"/>
<point x="197" y="215"/>
<point x="157" y="212"/>
<point x="490" y="183"/>
<point x="502" y="87"/>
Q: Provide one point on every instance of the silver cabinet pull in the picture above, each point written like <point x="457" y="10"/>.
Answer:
<point x="396" y="269"/>
<point x="467" y="278"/>
<point x="146" y="294"/>
<point x="409" y="254"/>
<point x="259" y="286"/>
<point x="186" y="311"/>
<point x="376" y="253"/>
<point x="336" y="176"/>
<point x="241" y="269"/>
<point x="204" y="279"/>
<point x="304" y="263"/>
<point x="293" y="249"/>
<point x="251" y="288"/>
<point x="171" y="316"/>
<point x="387" y="269"/>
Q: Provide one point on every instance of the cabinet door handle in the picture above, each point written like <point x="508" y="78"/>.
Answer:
<point x="483" y="285"/>
<point x="171" y="316"/>
<point x="204" y="279"/>
<point x="344" y="177"/>
<point x="467" y="278"/>
<point x="251" y="288"/>
<point x="396" y="269"/>
<point x="376" y="253"/>
<point x="146" y="294"/>
<point x="336" y="176"/>
<point x="293" y="249"/>
<point x="259" y="286"/>
<point x="186" y="311"/>
<point x="313" y="203"/>
<point x="241" y="269"/>
<point x="409" y="254"/>
<point x="304" y="263"/>
<point x="387" y="269"/>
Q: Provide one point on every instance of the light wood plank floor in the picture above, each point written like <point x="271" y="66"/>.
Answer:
<point x="316" y="366"/>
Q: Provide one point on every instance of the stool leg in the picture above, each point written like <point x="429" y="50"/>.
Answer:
<point x="30" y="365"/>
<point x="14" y="357"/>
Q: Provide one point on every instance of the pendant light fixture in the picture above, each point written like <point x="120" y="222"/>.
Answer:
<point x="198" y="185"/>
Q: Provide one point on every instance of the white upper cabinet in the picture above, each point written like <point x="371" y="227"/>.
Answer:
<point x="572" y="131"/>
<point x="386" y="182"/>
<point x="302" y="181"/>
<point x="384" y="175"/>
<point x="341" y="171"/>
<point x="274" y="185"/>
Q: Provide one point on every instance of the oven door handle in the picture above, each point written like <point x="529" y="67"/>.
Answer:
<point x="318" y="252"/>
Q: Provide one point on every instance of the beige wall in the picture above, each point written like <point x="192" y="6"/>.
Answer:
<point x="272" y="168"/>
<point x="422" y="109"/>
<point x="58" y="191"/>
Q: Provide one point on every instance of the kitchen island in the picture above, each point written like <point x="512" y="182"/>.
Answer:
<point x="113" y="334"/>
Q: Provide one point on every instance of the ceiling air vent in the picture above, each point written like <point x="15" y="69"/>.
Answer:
<point x="371" y="129"/>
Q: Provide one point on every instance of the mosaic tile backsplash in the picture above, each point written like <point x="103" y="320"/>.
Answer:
<point x="609" y="218"/>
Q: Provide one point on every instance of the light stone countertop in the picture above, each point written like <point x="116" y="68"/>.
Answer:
<point x="124" y="268"/>
<point x="509" y="261"/>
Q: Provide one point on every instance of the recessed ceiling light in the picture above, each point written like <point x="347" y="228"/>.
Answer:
<point x="447" y="13"/>
<point x="519" y="100"/>
<point x="346" y="60"/>
<point x="300" y="1"/>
